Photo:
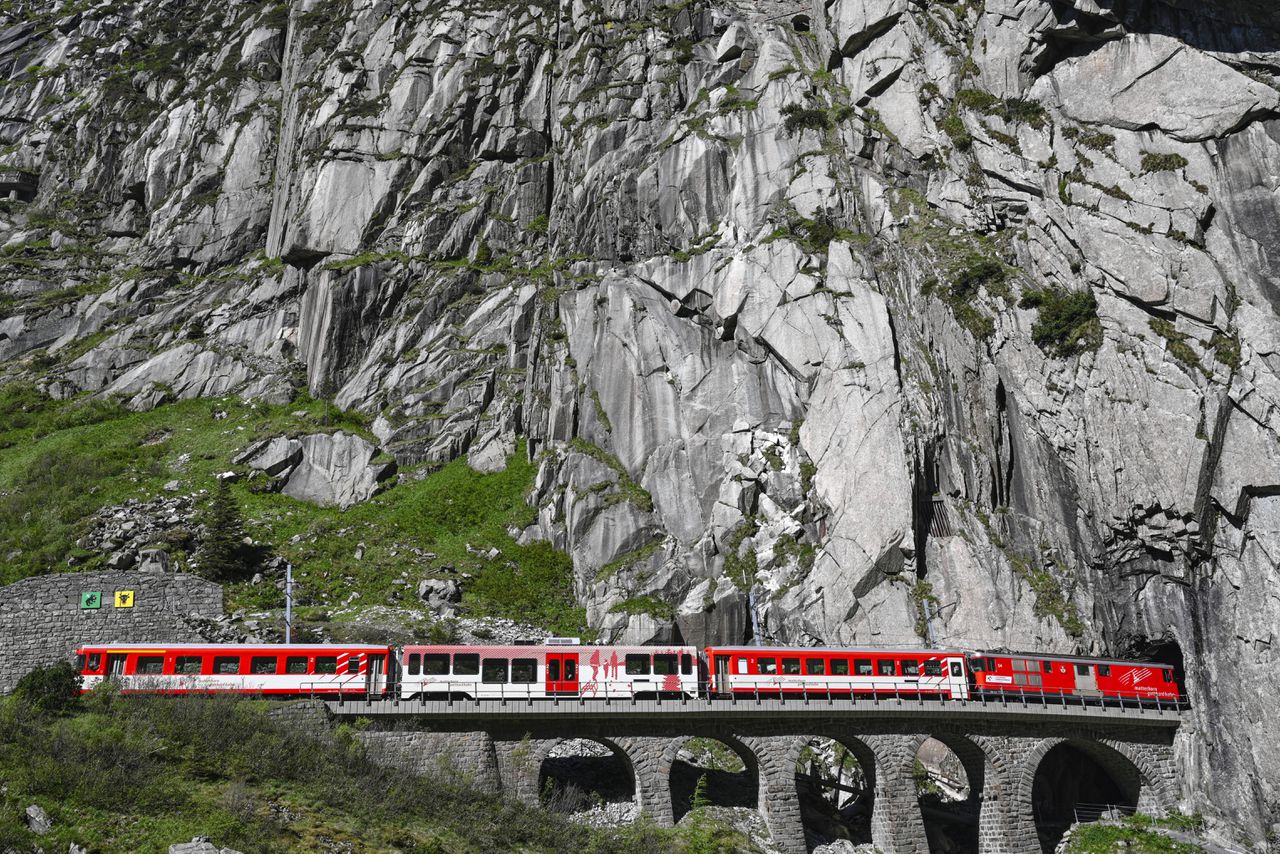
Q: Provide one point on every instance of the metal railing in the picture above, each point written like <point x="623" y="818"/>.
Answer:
<point x="757" y="691"/>
<point x="1097" y="812"/>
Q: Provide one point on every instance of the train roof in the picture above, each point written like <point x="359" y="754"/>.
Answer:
<point x="160" y="646"/>
<point x="845" y="650"/>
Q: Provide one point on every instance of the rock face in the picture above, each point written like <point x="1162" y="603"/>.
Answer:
<point x="335" y="470"/>
<point x="911" y="321"/>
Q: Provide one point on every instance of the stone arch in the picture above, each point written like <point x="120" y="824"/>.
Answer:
<point x="853" y="815"/>
<point x="573" y="775"/>
<point x="1045" y="820"/>
<point x="955" y="823"/>
<point x="727" y="788"/>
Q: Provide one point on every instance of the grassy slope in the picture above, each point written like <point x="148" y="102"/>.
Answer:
<point x="137" y="775"/>
<point x="61" y="461"/>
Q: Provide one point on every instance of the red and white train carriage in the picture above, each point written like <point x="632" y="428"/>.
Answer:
<point x="548" y="670"/>
<point x="269" y="669"/>
<point x="777" y="671"/>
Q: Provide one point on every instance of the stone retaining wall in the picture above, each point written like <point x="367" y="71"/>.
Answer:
<point x="42" y="619"/>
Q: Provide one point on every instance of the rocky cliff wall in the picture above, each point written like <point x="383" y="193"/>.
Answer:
<point x="44" y="619"/>
<point x="914" y="319"/>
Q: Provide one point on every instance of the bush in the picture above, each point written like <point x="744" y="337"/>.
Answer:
<point x="1152" y="162"/>
<point x="50" y="688"/>
<point x="798" y="118"/>
<point x="1067" y="324"/>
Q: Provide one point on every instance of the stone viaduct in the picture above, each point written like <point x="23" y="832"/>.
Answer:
<point x="1001" y="746"/>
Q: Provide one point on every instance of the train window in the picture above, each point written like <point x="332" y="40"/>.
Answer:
<point x="1035" y="680"/>
<point x="742" y="665"/>
<point x="295" y="664"/>
<point x="353" y="664"/>
<point x="226" y="664"/>
<point x="95" y="661"/>
<point x="464" y="664"/>
<point x="910" y="667"/>
<point x="1168" y="675"/>
<point x="884" y="667"/>
<point x="553" y="670"/>
<point x="326" y="664"/>
<point x="976" y="665"/>
<point x="839" y="667"/>
<point x="991" y="664"/>
<point x="862" y="666"/>
<point x="815" y="667"/>
<point x="1082" y="670"/>
<point x="768" y="666"/>
<point x="956" y="669"/>
<point x="1020" y="665"/>
<point x="686" y="664"/>
<point x="415" y="664"/>
<point x="79" y="663"/>
<point x="1046" y="666"/>
<point x="637" y="665"/>
<point x="435" y="664"/>
<point x="187" y="665"/>
<point x="1019" y="678"/>
<point x="1104" y="669"/>
<point x="570" y="669"/>
<point x="524" y="670"/>
<point x="149" y="665"/>
<point x="664" y="665"/>
<point x="933" y="668"/>
<point x="791" y="666"/>
<point x="262" y="664"/>
<point x="493" y="670"/>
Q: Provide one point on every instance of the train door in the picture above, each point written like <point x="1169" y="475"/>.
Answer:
<point x="115" y="665"/>
<point x="375" y="676"/>
<point x="562" y="673"/>
<point x="722" y="674"/>
<point x="1086" y="680"/>
<point x="957" y="682"/>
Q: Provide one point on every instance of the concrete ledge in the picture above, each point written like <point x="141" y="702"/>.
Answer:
<point x="624" y="709"/>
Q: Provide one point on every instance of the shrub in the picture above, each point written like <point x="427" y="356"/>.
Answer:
<point x="1067" y="324"/>
<point x="1153" y="162"/>
<point x="799" y="119"/>
<point x="50" y="688"/>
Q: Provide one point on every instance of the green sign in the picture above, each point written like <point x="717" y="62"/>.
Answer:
<point x="91" y="599"/>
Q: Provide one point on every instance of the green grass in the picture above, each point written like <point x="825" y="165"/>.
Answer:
<point x="1067" y="324"/>
<point x="1102" y="838"/>
<point x="60" y="462"/>
<point x="138" y="774"/>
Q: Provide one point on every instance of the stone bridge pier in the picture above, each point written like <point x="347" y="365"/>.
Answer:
<point x="1001" y="761"/>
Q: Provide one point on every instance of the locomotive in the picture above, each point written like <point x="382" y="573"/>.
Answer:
<point x="560" y="668"/>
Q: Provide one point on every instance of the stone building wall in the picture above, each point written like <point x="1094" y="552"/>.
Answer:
<point x="43" y="619"/>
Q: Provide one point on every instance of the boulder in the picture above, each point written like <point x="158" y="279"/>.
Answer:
<point x="38" y="820"/>
<point x="714" y="612"/>
<point x="273" y="456"/>
<point x="337" y="470"/>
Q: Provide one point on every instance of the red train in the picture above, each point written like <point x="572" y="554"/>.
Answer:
<point x="566" y="669"/>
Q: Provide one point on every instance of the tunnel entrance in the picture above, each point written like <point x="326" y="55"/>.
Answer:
<point x="581" y="775"/>
<point x="711" y="772"/>
<point x="948" y="774"/>
<point x="835" y="782"/>
<point x="1081" y="782"/>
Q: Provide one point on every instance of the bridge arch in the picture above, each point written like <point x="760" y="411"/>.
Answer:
<point x="730" y="768"/>
<point x="1063" y="778"/>
<point x="575" y="774"/>
<point x="951" y="808"/>
<point x="840" y="808"/>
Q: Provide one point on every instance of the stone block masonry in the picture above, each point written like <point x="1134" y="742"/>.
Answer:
<point x="43" y="619"/>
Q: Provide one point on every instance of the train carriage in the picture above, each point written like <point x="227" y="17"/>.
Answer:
<point x="776" y="671"/>
<point x="268" y="669"/>
<point x="1071" y="676"/>
<point x="548" y="671"/>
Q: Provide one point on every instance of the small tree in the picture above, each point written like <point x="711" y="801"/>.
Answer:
<point x="49" y="688"/>
<point x="700" y="799"/>
<point x="222" y="555"/>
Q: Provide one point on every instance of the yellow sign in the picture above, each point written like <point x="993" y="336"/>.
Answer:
<point x="124" y="598"/>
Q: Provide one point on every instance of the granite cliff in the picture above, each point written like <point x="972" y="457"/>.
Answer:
<point x="899" y="319"/>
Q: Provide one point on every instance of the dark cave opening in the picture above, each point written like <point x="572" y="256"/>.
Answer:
<point x="1074" y="784"/>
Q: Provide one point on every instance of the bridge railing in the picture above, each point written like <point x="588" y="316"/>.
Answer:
<point x="830" y="693"/>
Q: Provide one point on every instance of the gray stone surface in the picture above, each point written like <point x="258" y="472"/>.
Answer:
<point x="42" y="622"/>
<point x="337" y="469"/>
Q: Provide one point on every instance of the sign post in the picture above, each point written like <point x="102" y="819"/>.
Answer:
<point x="288" y="602"/>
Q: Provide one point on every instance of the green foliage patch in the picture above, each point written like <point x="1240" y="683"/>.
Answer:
<point x="1068" y="322"/>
